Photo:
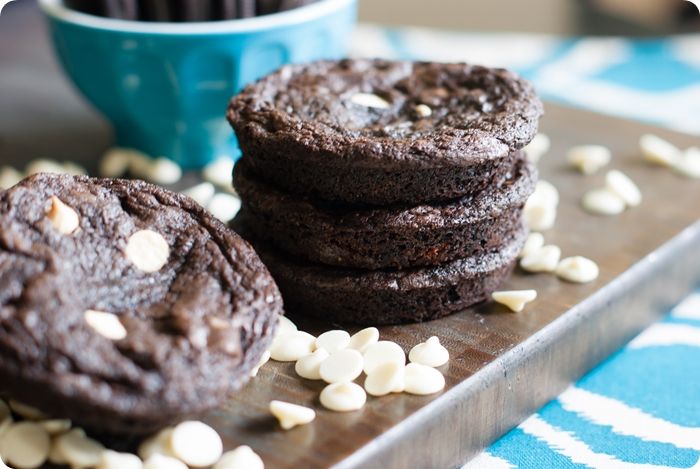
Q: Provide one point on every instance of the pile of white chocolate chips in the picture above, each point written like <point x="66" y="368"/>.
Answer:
<point x="28" y="438"/>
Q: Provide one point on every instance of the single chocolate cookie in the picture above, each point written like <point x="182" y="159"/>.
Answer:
<point x="376" y="238"/>
<point x="387" y="296"/>
<point x="124" y="306"/>
<point x="381" y="132"/>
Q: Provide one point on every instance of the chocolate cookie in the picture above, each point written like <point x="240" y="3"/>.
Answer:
<point x="381" y="132"/>
<point x="375" y="238"/>
<point x="387" y="296"/>
<point x="125" y="306"/>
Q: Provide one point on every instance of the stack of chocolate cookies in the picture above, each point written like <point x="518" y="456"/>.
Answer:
<point x="383" y="192"/>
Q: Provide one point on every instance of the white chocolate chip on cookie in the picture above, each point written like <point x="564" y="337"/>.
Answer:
<point x="63" y="218"/>
<point x="148" y="250"/>
<point x="369" y="100"/>
<point x="106" y="324"/>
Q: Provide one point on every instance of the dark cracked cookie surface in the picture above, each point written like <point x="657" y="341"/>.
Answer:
<point x="387" y="296"/>
<point x="376" y="238"/>
<point x="381" y="132"/>
<point x="140" y="311"/>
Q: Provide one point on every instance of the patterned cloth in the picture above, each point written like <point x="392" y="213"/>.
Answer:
<point x="640" y="409"/>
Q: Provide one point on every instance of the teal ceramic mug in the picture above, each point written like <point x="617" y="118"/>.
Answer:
<point x="165" y="86"/>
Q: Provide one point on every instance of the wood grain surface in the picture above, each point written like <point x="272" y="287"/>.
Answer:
<point x="503" y="366"/>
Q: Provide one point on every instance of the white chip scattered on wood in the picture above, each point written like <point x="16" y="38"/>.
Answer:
<point x="343" y="397"/>
<point x="589" y="158"/>
<point x="26" y="411"/>
<point x="540" y="210"/>
<point x="424" y="110"/>
<point x="369" y="100"/>
<point x="546" y="191"/>
<point x="689" y="163"/>
<point x="224" y="206"/>
<point x="286" y="325"/>
<point x="429" y="353"/>
<point x="659" y="151"/>
<point x="117" y="161"/>
<point x="364" y="338"/>
<point x="148" y="250"/>
<point x="140" y="165"/>
<point x="201" y="193"/>
<point x="534" y="242"/>
<point x="196" y="443"/>
<point x="106" y="324"/>
<point x="44" y="166"/>
<point x="56" y="426"/>
<point x="385" y="379"/>
<point x="333" y="340"/>
<point x="78" y="449"/>
<point x="156" y="444"/>
<point x="602" y="202"/>
<point x="219" y="172"/>
<point x="25" y="445"/>
<point x="291" y="346"/>
<point x="577" y="269"/>
<point x="290" y="415"/>
<point x="242" y="457"/>
<point x="163" y="171"/>
<point x="159" y="461"/>
<point x="342" y="366"/>
<point x="63" y="218"/>
<point x="620" y="184"/>
<point x="544" y="259"/>
<point x="537" y="147"/>
<point x="9" y="176"/>
<point x="422" y="380"/>
<point x="55" y="456"/>
<point x="514" y="299"/>
<point x="309" y="366"/>
<point x="114" y="460"/>
<point x="382" y="352"/>
<point x="263" y="359"/>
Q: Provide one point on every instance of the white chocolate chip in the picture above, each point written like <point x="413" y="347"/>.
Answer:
<point x="26" y="411"/>
<point x="689" y="164"/>
<point x="291" y="415"/>
<point x="78" y="449"/>
<point x="544" y="259"/>
<point x="539" y="215"/>
<point x="286" y="325"/>
<point x="157" y="444"/>
<point x="140" y="165"/>
<point x="224" y="206"/>
<point x="9" y="176"/>
<point x="385" y="379"/>
<point x="659" y="151"/>
<point x="382" y="352"/>
<point x="363" y="339"/>
<point x="159" y="461"/>
<point x="577" y="269"/>
<point x="534" y="242"/>
<point x="5" y="425"/>
<point x="343" y="397"/>
<point x="219" y="172"/>
<point x="114" y="460"/>
<point x="620" y="184"/>
<point x="333" y="340"/>
<point x="546" y="191"/>
<point x="116" y="161"/>
<point x="25" y="445"/>
<point x="424" y="110"/>
<point x="55" y="456"/>
<point x="429" y="353"/>
<point x="291" y="346"/>
<point x="422" y="380"/>
<point x="264" y="359"/>
<point x="148" y="250"/>
<point x="242" y="457"/>
<point x="309" y="366"/>
<point x="342" y="366"/>
<point x="163" y="171"/>
<point x="106" y="324"/>
<point x="369" y="100"/>
<point x="74" y="169"/>
<point x="63" y="218"/>
<point x="589" y="158"/>
<point x="56" y="426"/>
<point x="196" y="444"/>
<point x="537" y="147"/>
<point x="514" y="299"/>
<point x="201" y="193"/>
<point x="602" y="202"/>
<point x="4" y="410"/>
<point x="44" y="166"/>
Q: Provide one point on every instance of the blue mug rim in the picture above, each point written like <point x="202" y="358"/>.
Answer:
<point x="57" y="10"/>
